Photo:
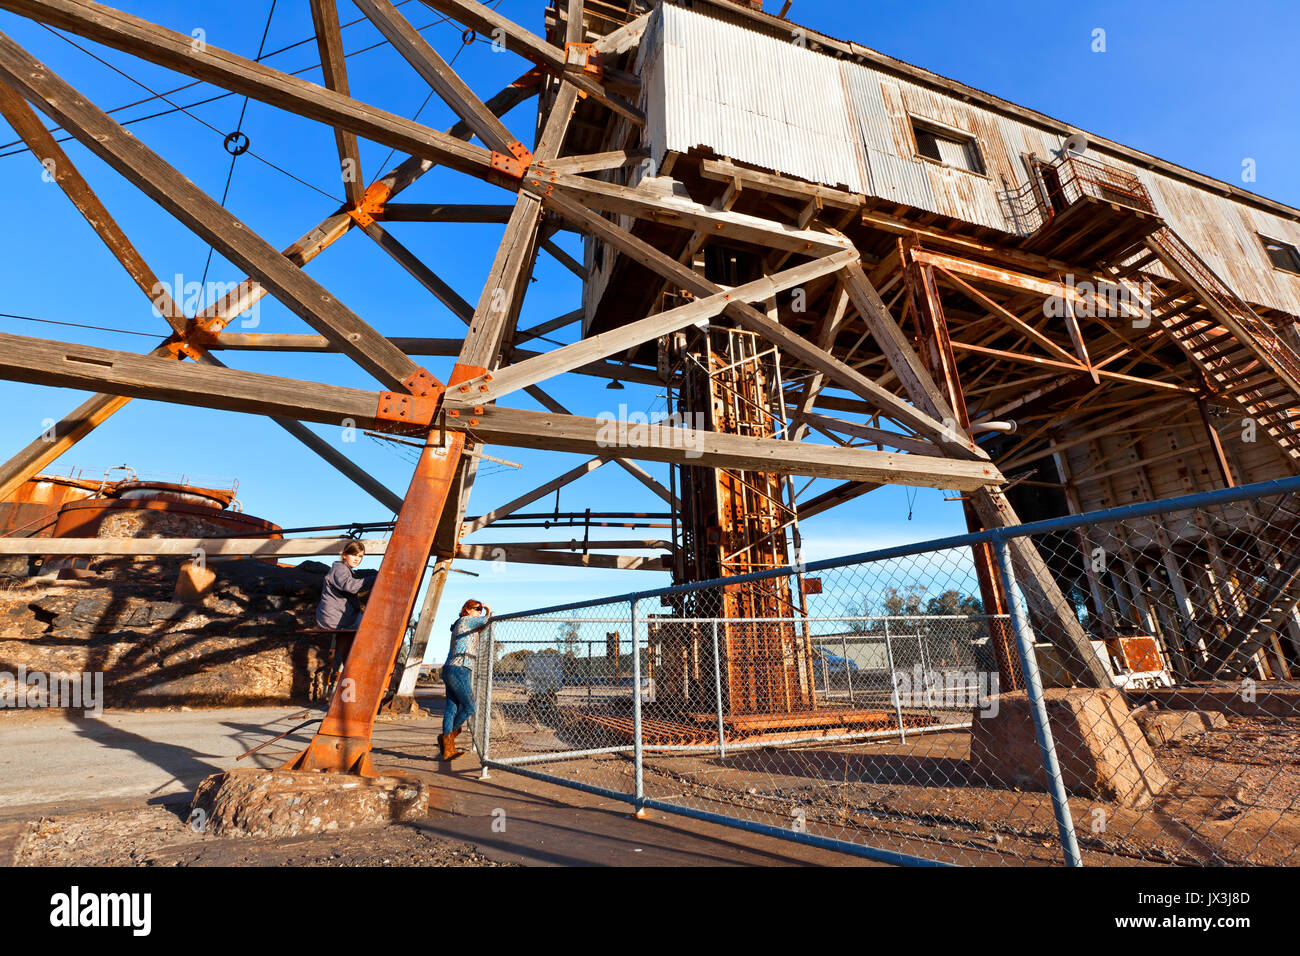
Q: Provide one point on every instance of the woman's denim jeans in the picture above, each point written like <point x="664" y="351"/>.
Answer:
<point x="460" y="697"/>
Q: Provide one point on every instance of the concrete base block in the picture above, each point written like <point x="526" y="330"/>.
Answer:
<point x="277" y="803"/>
<point x="1102" y="752"/>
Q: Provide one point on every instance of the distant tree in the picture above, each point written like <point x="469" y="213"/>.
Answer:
<point x="571" y="634"/>
<point x="514" y="662"/>
<point x="909" y="601"/>
<point x="954" y="602"/>
<point x="906" y="602"/>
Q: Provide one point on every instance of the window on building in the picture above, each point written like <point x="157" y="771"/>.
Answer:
<point x="1283" y="255"/>
<point x="947" y="146"/>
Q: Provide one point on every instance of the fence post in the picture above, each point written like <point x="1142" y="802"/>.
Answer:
<point x="893" y="685"/>
<point x="717" y="691"/>
<point x="921" y="631"/>
<point x="1034" y="690"/>
<point x="486" y="735"/>
<point x="637" y="752"/>
<point x="848" y="667"/>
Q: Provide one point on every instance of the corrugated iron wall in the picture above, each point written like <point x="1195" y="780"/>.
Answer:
<point x="773" y="104"/>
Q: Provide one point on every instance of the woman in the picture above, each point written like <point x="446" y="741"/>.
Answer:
<point x="458" y="674"/>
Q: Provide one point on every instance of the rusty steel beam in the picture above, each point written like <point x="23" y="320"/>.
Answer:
<point x="342" y="742"/>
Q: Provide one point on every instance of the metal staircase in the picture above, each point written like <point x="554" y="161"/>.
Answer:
<point x="1246" y="361"/>
<point x="1243" y="358"/>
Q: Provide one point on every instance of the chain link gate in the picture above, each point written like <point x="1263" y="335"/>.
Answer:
<point x="880" y="723"/>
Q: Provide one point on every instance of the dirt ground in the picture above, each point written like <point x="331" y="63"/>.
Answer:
<point x="160" y="836"/>
<point x="1233" y="799"/>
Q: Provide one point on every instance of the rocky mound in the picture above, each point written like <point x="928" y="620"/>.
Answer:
<point x="243" y="644"/>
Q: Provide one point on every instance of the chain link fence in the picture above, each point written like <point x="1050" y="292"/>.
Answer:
<point x="1106" y="689"/>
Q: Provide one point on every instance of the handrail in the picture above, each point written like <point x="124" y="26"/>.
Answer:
<point x="1073" y="178"/>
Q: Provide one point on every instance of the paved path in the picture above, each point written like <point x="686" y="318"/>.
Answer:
<point x="50" y="764"/>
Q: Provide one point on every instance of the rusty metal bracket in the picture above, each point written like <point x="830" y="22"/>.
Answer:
<point x="417" y="408"/>
<point x="372" y="203"/>
<point x="400" y="409"/>
<point x="423" y="384"/>
<point x="585" y="58"/>
<point x="513" y="165"/>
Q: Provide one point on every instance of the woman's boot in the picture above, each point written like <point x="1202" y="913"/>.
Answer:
<point x="446" y="742"/>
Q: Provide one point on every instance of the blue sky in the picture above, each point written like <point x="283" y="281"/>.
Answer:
<point x="1197" y="83"/>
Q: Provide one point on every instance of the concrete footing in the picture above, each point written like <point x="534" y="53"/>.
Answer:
<point x="1102" y="751"/>
<point x="278" y="803"/>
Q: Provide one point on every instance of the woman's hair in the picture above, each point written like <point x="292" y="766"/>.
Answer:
<point x="470" y="606"/>
<point x="354" y="547"/>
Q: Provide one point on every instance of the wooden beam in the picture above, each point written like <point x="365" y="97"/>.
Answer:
<point x="177" y="51"/>
<point x="329" y="43"/>
<point x="564" y="259"/>
<point x="550" y="325"/>
<point x="488" y="22"/>
<point x="204" y="216"/>
<point x="726" y="172"/>
<point x="835" y="497"/>
<point x="210" y="547"/>
<point x="878" y="436"/>
<point x="652" y="442"/>
<point x="435" y="71"/>
<point x="1073" y="364"/>
<point x="624" y="38"/>
<point x="45" y="362"/>
<point x="997" y="276"/>
<point x="432" y="282"/>
<point x="598" y="162"/>
<point x="514" y="377"/>
<point x="55" y="363"/>
<point x="999" y="310"/>
<point x="683" y="213"/>
<point x="50" y="155"/>
<point x="753" y="320"/>
<point x="342" y="463"/>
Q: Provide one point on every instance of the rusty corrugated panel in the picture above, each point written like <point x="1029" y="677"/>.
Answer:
<point x="756" y="99"/>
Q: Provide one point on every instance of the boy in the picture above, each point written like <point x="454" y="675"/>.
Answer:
<point x="340" y="598"/>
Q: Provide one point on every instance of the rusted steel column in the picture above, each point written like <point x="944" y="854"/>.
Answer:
<point x="342" y="743"/>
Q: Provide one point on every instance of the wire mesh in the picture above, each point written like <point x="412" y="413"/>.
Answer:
<point x="1118" y="690"/>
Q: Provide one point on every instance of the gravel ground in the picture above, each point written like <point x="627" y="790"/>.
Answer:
<point x="159" y="836"/>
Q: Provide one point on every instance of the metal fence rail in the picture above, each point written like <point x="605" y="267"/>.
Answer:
<point x="885" y="724"/>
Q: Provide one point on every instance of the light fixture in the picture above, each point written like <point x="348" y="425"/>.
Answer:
<point x="614" y="386"/>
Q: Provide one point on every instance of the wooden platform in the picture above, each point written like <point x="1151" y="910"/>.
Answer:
<point x="1091" y="231"/>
